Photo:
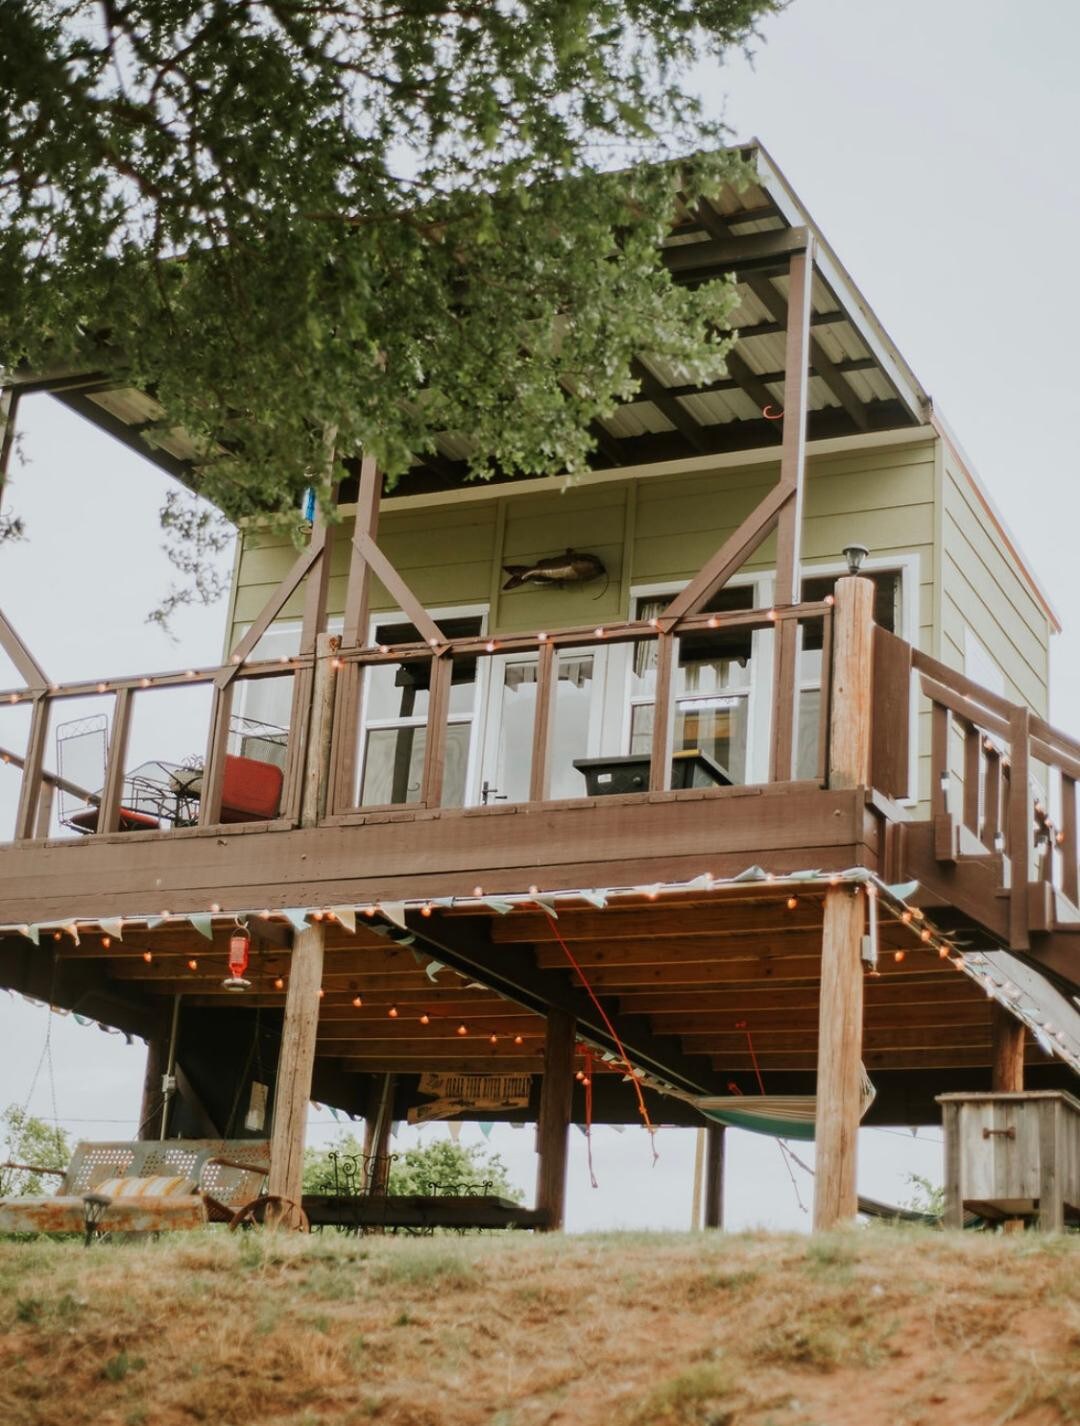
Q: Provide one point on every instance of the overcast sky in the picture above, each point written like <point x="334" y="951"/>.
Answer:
<point x="934" y="143"/>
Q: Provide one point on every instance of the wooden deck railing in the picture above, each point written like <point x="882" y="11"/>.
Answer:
<point x="38" y="782"/>
<point x="546" y="645"/>
<point x="349" y="664"/>
<point x="1016" y="774"/>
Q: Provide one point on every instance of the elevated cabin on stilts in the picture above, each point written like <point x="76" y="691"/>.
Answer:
<point x="657" y="781"/>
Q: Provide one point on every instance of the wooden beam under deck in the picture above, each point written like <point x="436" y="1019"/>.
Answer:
<point x="399" y="855"/>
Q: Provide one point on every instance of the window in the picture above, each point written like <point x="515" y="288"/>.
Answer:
<point x="888" y="590"/>
<point x="394" y="732"/>
<point x="712" y="686"/>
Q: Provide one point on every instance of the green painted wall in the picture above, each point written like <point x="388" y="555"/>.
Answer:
<point x="905" y="501"/>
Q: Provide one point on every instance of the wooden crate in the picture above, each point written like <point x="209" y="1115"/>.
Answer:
<point x="1012" y="1156"/>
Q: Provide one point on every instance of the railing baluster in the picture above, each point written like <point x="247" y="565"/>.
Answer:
<point x="26" y="817"/>
<point x="547" y="683"/>
<point x="1070" y="867"/>
<point x="991" y="796"/>
<point x="109" y="809"/>
<point x="940" y="725"/>
<point x="1020" y="823"/>
<point x="296" y="748"/>
<point x="825" y="698"/>
<point x="431" y="787"/>
<point x="660" y="762"/>
<point x="213" y="778"/>
<point x="972" y="774"/>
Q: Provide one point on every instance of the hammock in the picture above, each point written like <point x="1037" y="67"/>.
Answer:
<point x="783" y="1116"/>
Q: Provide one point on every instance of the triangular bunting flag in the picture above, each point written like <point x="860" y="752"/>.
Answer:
<point x="454" y="1126"/>
<point x="32" y="933"/>
<point x="752" y="873"/>
<point x="393" y="911"/>
<point x="903" y="890"/>
<point x="433" y="968"/>
<point x="485" y="1127"/>
<point x="113" y="926"/>
<point x="595" y="898"/>
<point x="347" y="916"/>
<point x="203" y="924"/>
<point x="296" y="917"/>
<point x="499" y="904"/>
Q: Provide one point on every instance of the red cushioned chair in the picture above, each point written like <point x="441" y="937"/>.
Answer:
<point x="130" y="820"/>
<point x="250" y="790"/>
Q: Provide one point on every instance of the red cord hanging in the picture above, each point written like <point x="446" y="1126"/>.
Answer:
<point x="642" y="1109"/>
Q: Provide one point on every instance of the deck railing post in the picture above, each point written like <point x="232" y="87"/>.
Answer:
<point x="714" y="1176"/>
<point x="850" y="707"/>
<point x="30" y="793"/>
<point x="1020" y="818"/>
<point x="840" y="1013"/>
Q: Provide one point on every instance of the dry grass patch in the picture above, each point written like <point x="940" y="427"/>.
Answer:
<point x="903" y="1327"/>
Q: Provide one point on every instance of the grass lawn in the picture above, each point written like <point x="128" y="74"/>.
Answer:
<point x="889" y="1326"/>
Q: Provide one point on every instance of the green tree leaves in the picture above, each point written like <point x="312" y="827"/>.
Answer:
<point x="402" y="218"/>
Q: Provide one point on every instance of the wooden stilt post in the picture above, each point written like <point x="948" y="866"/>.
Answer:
<point x="378" y="1121"/>
<point x="150" y="1109"/>
<point x="296" y="1062"/>
<point x="840" y="1014"/>
<point x="699" y="1179"/>
<point x="714" y="1175"/>
<point x="552" y="1130"/>
<point x="1008" y="1043"/>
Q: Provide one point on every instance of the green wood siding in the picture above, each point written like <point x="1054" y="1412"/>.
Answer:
<point x="984" y="590"/>
<point x="901" y="501"/>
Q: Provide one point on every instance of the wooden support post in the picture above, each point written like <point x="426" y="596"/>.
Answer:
<point x="320" y="732"/>
<point x="378" y="1122"/>
<point x="150" y="1109"/>
<point x="553" y="1125"/>
<point x="296" y="1062"/>
<point x="850" y="721"/>
<point x="112" y="794"/>
<point x="1008" y="1036"/>
<point x="789" y="526"/>
<point x="27" y="816"/>
<point x="547" y="687"/>
<point x="354" y="634"/>
<point x="663" y="715"/>
<point x="714" y="1175"/>
<point x="839" y="1069"/>
<point x="434" y="770"/>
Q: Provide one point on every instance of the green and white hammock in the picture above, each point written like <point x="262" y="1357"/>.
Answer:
<point x="782" y="1116"/>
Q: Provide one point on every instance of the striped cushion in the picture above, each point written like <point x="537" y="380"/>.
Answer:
<point x="159" y="1186"/>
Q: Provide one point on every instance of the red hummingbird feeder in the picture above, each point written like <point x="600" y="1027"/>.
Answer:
<point x="239" y="958"/>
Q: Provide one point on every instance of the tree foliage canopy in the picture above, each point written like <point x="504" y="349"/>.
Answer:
<point x="33" y="1143"/>
<point x="387" y="217"/>
<point x="440" y="1166"/>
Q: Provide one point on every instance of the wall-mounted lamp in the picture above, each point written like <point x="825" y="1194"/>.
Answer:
<point x="855" y="554"/>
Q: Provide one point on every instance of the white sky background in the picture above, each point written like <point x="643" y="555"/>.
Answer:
<point x="934" y="142"/>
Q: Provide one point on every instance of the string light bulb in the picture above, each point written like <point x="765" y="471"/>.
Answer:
<point x="425" y="1019"/>
<point x="425" y="910"/>
<point x="519" y="1039"/>
<point x="106" y="942"/>
<point x="193" y="964"/>
<point x="279" y="984"/>
<point x="494" y="1038"/>
<point x="463" y="1029"/>
<point x="898" y="956"/>
<point x="357" y="1001"/>
<point x="148" y="956"/>
<point x="393" y="1012"/>
<point x="792" y="902"/>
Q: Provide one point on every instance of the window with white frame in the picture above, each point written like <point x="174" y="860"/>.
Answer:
<point x="394" y="725"/>
<point x="712" y="685"/>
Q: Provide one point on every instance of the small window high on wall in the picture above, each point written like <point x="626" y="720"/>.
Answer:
<point x="888" y="592"/>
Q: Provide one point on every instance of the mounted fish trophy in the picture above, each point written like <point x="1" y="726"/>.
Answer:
<point x="573" y="567"/>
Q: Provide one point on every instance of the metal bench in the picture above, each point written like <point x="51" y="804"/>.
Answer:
<point x="144" y="1186"/>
